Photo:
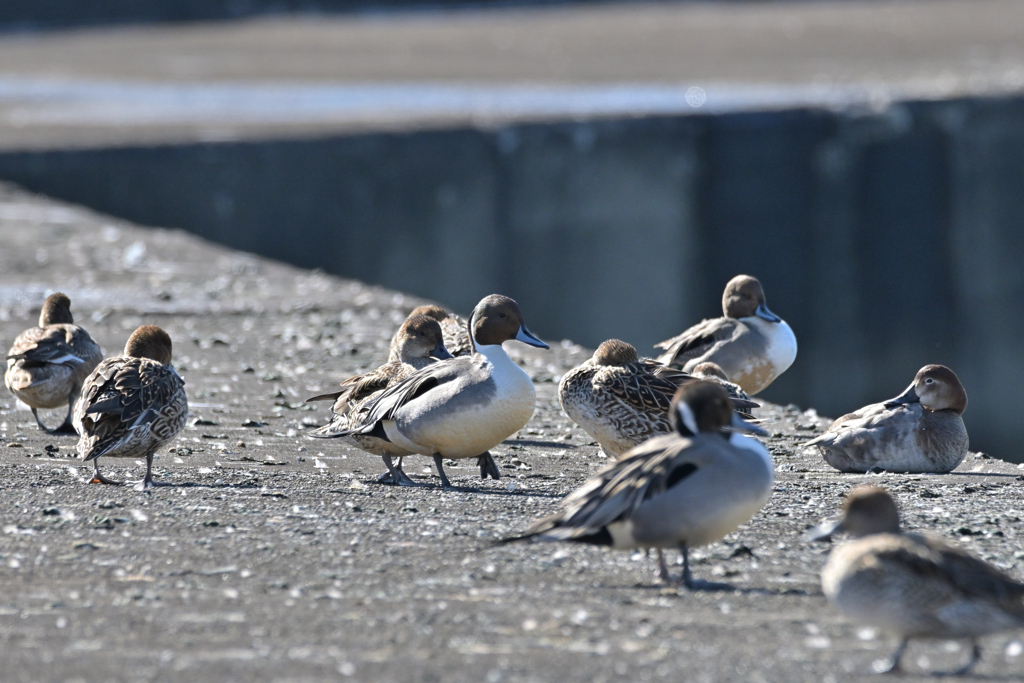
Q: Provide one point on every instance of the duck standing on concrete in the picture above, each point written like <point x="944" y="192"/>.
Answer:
<point x="682" y="490"/>
<point x="418" y="342"/>
<point x="461" y="408"/>
<point x="453" y="327"/>
<point x="918" y="431"/>
<point x="131" y="404"/>
<point x="914" y="585"/>
<point x="622" y="400"/>
<point x="47" y="364"/>
<point x="750" y="343"/>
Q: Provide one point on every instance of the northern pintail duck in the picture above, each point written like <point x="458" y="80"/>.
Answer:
<point x="461" y="408"/>
<point x="750" y="343"/>
<point x="918" y="431"/>
<point x="453" y="327"/>
<point x="622" y="400"/>
<point x="419" y="342"/>
<point x="131" y="404"/>
<point x="913" y="585"/>
<point x="47" y="364"/>
<point x="684" y="490"/>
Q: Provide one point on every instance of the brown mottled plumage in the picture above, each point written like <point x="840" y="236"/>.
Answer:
<point x="132" y="404"/>
<point x="920" y="430"/>
<point x="453" y="328"/>
<point x="914" y="585"/>
<point x="622" y="400"/>
<point x="419" y="342"/>
<point x="47" y="364"/>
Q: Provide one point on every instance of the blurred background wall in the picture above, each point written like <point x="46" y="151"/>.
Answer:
<point x="889" y="233"/>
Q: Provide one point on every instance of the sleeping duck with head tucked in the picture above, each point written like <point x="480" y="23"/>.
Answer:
<point x="921" y="430"/>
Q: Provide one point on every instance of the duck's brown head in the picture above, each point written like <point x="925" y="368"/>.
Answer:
<point x="420" y="337"/>
<point x="614" y="352"/>
<point x="744" y="297"/>
<point x="498" y="319"/>
<point x="149" y="341"/>
<point x="935" y="387"/>
<point x="56" y="310"/>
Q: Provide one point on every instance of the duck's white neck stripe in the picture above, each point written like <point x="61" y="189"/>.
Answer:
<point x="689" y="419"/>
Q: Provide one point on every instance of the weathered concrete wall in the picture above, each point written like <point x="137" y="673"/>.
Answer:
<point x="888" y="239"/>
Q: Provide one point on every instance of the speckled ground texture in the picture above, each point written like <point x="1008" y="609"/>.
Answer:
<point x="268" y="556"/>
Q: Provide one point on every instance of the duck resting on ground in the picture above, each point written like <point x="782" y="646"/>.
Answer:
<point x="622" y="400"/>
<point x="750" y="343"/>
<point x="682" y="490"/>
<point x="461" y="408"/>
<point x="918" y="431"/>
<point x="47" y="364"/>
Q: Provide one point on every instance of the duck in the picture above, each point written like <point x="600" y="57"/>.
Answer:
<point x="913" y="585"/>
<point x="750" y="343"/>
<point x="419" y="342"/>
<point x="47" y="364"/>
<point x="713" y="372"/>
<point x="462" y="407"/>
<point x="453" y="327"/>
<point x="131" y="404"/>
<point x="921" y="430"/>
<point x="686" y="489"/>
<point x="622" y="400"/>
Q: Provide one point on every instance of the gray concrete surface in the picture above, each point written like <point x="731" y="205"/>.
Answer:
<point x="286" y="77"/>
<point x="272" y="557"/>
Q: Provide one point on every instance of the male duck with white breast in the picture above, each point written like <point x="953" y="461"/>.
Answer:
<point x="918" y="431"/>
<point x="461" y="408"/>
<point x="679" y="490"/>
<point x="750" y="343"/>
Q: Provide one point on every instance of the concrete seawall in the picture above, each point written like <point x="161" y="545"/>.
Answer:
<point x="888" y="239"/>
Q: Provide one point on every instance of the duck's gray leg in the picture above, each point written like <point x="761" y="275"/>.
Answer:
<point x="39" y="422"/>
<point x="148" y="480"/>
<point x="893" y="667"/>
<point x="98" y="478"/>
<point x="663" y="573"/>
<point x="67" y="427"/>
<point x="975" y="656"/>
<point x="395" y="475"/>
<point x="488" y="468"/>
<point x="695" y="584"/>
<point x="440" y="471"/>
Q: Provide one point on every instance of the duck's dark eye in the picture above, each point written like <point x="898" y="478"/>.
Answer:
<point x="929" y="380"/>
<point x="501" y="315"/>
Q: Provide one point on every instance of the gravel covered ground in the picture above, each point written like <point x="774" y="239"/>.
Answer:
<point x="270" y="556"/>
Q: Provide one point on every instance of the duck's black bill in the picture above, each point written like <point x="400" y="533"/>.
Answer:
<point x="527" y="337"/>
<point x="908" y="396"/>
<point x="440" y="353"/>
<point x="763" y="312"/>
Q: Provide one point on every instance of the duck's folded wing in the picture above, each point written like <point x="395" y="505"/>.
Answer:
<point x="45" y="346"/>
<point x="643" y="390"/>
<point x="386" y="403"/>
<point x="136" y="393"/>
<point x="697" y="340"/>
<point x="975" y="578"/>
<point x="615" y="492"/>
<point x="359" y="387"/>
